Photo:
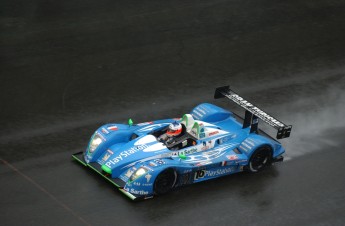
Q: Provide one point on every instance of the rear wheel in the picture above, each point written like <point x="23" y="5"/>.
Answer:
<point x="165" y="181"/>
<point x="261" y="158"/>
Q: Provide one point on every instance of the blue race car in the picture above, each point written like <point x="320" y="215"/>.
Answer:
<point x="213" y="144"/>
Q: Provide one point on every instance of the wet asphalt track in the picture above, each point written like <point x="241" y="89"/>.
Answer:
<point x="69" y="66"/>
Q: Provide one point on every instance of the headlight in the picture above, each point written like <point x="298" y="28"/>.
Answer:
<point x="141" y="171"/>
<point x="95" y="142"/>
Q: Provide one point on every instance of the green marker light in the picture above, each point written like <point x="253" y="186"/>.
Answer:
<point x="182" y="156"/>
<point x="130" y="122"/>
<point x="106" y="169"/>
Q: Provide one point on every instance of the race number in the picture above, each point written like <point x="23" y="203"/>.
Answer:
<point x="199" y="174"/>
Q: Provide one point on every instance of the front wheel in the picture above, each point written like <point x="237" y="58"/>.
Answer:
<point x="261" y="158"/>
<point x="165" y="181"/>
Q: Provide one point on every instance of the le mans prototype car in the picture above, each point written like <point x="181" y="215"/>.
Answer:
<point x="214" y="144"/>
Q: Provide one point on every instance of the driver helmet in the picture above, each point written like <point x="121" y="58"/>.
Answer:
<point x="174" y="129"/>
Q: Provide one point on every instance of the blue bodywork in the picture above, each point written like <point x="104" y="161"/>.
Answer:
<point x="131" y="157"/>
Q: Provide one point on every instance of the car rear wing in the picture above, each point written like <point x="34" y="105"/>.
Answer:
<point x="253" y="113"/>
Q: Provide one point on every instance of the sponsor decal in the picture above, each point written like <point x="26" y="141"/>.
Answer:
<point x="136" y="183"/>
<point x="144" y="123"/>
<point x="104" y="131"/>
<point x="257" y="111"/>
<point x="147" y="185"/>
<point x="159" y="161"/>
<point x="105" y="157"/>
<point x="101" y="136"/>
<point x="129" y="173"/>
<point x="140" y="184"/>
<point x="223" y="163"/>
<point x="110" y="152"/>
<point x="185" y="152"/>
<point x="112" y="128"/>
<point x="190" y="151"/>
<point x="187" y="171"/>
<point x="213" y="133"/>
<point x="141" y="192"/>
<point x="203" y="163"/>
<point x="148" y="177"/>
<point x="146" y="167"/>
<point x="152" y="164"/>
<point x="232" y="157"/>
<point x="204" y="146"/>
<point x="202" y="132"/>
<point x="125" y="154"/>
<point x="211" y="173"/>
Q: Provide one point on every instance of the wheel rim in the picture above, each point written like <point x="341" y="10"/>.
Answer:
<point x="259" y="160"/>
<point x="164" y="182"/>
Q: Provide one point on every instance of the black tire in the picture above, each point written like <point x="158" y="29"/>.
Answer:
<point x="260" y="159"/>
<point x="165" y="181"/>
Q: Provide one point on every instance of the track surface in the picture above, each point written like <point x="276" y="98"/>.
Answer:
<point x="69" y="66"/>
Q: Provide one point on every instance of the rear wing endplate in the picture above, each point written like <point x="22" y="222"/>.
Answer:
<point x="253" y="113"/>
